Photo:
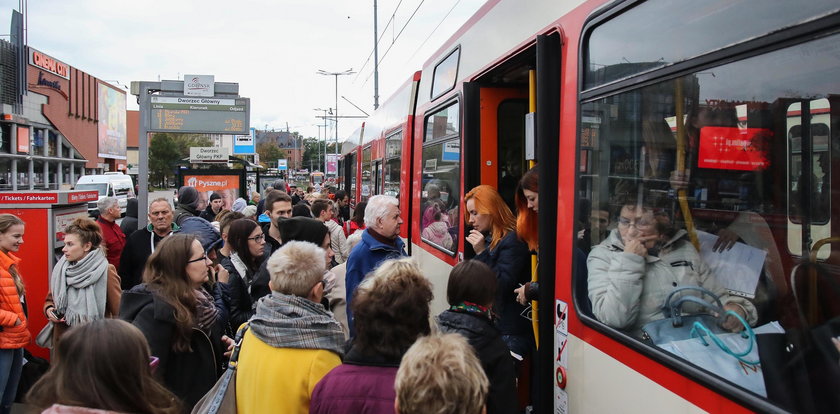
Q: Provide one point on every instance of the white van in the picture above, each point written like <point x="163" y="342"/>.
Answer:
<point x="116" y="184"/>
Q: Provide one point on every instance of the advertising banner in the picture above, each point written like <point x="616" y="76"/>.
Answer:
<point x="282" y="164"/>
<point x="729" y="148"/>
<point x="226" y="186"/>
<point x="332" y="164"/>
<point x="111" y="129"/>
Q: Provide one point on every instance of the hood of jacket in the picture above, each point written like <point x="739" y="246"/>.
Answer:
<point x="479" y="331"/>
<point x="131" y="208"/>
<point x="139" y="297"/>
<point x="201" y="228"/>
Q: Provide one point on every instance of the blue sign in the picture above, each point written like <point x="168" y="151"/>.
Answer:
<point x="245" y="144"/>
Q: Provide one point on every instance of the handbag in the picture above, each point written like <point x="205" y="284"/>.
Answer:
<point x="800" y="366"/>
<point x="731" y="356"/>
<point x="676" y="326"/>
<point x="222" y="397"/>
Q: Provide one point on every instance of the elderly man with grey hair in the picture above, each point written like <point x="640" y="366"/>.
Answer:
<point x="380" y="241"/>
<point x="112" y="235"/>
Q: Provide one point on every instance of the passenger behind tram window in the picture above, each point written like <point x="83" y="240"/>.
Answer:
<point x="102" y="365"/>
<point x="641" y="262"/>
<point x="437" y="229"/>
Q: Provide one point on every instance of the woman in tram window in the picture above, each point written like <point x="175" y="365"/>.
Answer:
<point x="641" y="262"/>
<point x="179" y="318"/>
<point x="112" y="372"/>
<point x="493" y="237"/>
<point x="14" y="334"/>
<point x="83" y="286"/>
<point x="247" y="245"/>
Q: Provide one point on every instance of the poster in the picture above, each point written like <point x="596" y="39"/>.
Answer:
<point x="112" y="124"/>
<point x="227" y="186"/>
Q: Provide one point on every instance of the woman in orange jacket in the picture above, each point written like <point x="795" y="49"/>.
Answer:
<point x="14" y="334"/>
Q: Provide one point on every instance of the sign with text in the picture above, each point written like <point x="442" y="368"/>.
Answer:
<point x="209" y="154"/>
<point x="200" y="115"/>
<point x="48" y="63"/>
<point x="23" y="139"/>
<point x="245" y="144"/>
<point x="199" y="85"/>
<point x="730" y="148"/>
<point x="282" y="164"/>
<point x="29" y="198"/>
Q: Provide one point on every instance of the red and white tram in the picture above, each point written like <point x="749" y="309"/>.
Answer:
<point x="740" y="97"/>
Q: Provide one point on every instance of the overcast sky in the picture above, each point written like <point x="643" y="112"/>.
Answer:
<point x="272" y="48"/>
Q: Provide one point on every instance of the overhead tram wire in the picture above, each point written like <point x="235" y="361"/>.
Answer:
<point x="384" y="29"/>
<point x="414" y="13"/>
<point x="435" y="29"/>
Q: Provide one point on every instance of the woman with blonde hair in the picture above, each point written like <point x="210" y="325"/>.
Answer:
<point x="14" y="334"/>
<point x="493" y="237"/>
<point x="83" y="286"/>
<point x="112" y="372"/>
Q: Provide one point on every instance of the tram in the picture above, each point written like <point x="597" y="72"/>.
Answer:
<point x="723" y="112"/>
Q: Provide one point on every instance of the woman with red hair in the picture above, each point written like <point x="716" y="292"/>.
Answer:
<point x="493" y="237"/>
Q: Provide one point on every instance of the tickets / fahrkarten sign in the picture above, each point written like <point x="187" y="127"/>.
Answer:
<point x="209" y="154"/>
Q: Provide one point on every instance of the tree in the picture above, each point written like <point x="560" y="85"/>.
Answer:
<point x="166" y="149"/>
<point x="269" y="154"/>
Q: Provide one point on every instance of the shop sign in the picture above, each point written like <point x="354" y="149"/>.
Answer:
<point x="42" y="81"/>
<point x="29" y="198"/>
<point x="49" y="63"/>
<point x="82" y="196"/>
<point x="199" y="85"/>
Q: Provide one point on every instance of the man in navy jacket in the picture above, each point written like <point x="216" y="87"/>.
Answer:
<point x="380" y="240"/>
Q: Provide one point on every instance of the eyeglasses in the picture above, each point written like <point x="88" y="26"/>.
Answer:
<point x="257" y="239"/>
<point x="202" y="258"/>
<point x="640" y="224"/>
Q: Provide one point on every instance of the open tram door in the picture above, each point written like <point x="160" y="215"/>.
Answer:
<point x="503" y="107"/>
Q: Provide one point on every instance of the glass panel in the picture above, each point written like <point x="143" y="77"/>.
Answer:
<point x="101" y="188"/>
<point x="351" y="164"/>
<point x="393" y="149"/>
<point x="446" y="72"/>
<point x="673" y="32"/>
<point x="439" y="219"/>
<point x="714" y="157"/>
<point x="367" y="175"/>
<point x="443" y="123"/>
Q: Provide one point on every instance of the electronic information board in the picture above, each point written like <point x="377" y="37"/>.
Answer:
<point x="200" y="115"/>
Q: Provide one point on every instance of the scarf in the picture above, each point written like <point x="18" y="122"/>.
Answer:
<point x="205" y="310"/>
<point x="241" y="268"/>
<point x="473" y="309"/>
<point x="288" y="321"/>
<point x="79" y="289"/>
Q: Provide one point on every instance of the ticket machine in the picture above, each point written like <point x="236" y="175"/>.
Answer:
<point x="46" y="214"/>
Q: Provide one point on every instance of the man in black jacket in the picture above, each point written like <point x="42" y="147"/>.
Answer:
<point x="213" y="208"/>
<point x="140" y="245"/>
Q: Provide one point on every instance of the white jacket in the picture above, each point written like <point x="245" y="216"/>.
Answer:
<point x="338" y="242"/>
<point x="627" y="290"/>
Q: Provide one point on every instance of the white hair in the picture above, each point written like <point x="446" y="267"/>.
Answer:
<point x="296" y="267"/>
<point x="378" y="207"/>
<point x="105" y="204"/>
<point x="353" y="240"/>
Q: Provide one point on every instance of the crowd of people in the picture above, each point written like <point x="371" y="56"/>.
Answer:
<point x="333" y="316"/>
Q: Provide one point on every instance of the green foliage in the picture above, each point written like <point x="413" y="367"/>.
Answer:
<point x="269" y="154"/>
<point x="166" y="149"/>
<point x="313" y="153"/>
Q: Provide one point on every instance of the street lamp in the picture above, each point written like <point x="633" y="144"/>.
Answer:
<point x="336" y="75"/>
<point x="330" y="112"/>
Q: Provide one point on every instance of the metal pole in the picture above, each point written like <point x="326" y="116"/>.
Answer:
<point x="325" y="144"/>
<point x="336" y="123"/>
<point x="143" y="101"/>
<point x="375" y="61"/>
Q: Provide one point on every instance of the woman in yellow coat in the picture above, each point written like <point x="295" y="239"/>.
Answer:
<point x="292" y="341"/>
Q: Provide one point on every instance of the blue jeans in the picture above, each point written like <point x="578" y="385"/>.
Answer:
<point x="11" y="364"/>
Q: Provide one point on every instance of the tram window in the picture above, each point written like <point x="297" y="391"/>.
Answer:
<point x="393" y="149"/>
<point x="446" y="72"/>
<point x="728" y="174"/>
<point x="367" y="174"/>
<point x="441" y="162"/>
<point x="674" y="33"/>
